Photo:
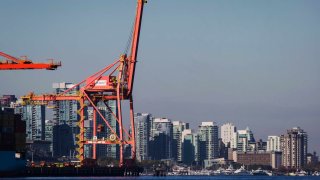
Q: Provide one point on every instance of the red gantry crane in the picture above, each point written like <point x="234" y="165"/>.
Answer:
<point x="13" y="63"/>
<point x="112" y="83"/>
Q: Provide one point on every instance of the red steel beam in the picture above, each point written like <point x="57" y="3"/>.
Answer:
<point x="28" y="66"/>
<point x="135" y="44"/>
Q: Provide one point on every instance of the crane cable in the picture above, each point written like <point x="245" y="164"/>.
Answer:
<point x="129" y="40"/>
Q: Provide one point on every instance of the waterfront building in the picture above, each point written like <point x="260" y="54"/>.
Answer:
<point x="143" y="124"/>
<point x="294" y="147"/>
<point x="161" y="139"/>
<point x="34" y="116"/>
<point x="273" y="143"/>
<point x="312" y="159"/>
<point x="228" y="135"/>
<point x="208" y="141"/>
<point x="272" y="159"/>
<point x="178" y="128"/>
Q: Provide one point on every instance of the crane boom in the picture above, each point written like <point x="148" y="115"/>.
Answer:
<point x="134" y="45"/>
<point x="13" y="63"/>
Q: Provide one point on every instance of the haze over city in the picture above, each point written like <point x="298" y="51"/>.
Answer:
<point x="253" y="63"/>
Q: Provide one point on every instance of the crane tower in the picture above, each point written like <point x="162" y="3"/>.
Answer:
<point x="112" y="83"/>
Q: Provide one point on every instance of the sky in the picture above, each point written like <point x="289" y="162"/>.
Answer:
<point x="252" y="63"/>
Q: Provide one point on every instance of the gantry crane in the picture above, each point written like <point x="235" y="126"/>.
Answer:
<point x="13" y="63"/>
<point x="112" y="83"/>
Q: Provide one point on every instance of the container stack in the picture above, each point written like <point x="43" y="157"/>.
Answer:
<point x="12" y="142"/>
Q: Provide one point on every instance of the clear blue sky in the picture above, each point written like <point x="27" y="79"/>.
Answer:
<point x="253" y="63"/>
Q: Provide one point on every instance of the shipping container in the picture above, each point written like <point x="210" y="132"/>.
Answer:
<point x="7" y="138"/>
<point x="13" y="161"/>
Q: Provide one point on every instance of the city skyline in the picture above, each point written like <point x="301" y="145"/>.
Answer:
<point x="206" y="146"/>
<point x="248" y="63"/>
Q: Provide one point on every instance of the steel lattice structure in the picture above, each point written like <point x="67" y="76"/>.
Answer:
<point x="114" y="82"/>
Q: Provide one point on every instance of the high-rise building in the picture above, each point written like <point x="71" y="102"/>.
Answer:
<point x="294" y="147"/>
<point x="273" y="143"/>
<point x="143" y="123"/>
<point x="208" y="141"/>
<point x="246" y="141"/>
<point x="34" y="116"/>
<point x="228" y="131"/>
<point x="49" y="132"/>
<point x="161" y="139"/>
<point x="188" y="146"/>
<point x="17" y="106"/>
<point x="222" y="149"/>
<point x="66" y="112"/>
<point x="178" y="128"/>
<point x="196" y="143"/>
<point x="88" y="133"/>
<point x="63" y="140"/>
<point x="110" y="150"/>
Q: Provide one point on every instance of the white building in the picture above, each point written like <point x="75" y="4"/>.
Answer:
<point x="143" y="123"/>
<point x="294" y="147"/>
<point x="273" y="143"/>
<point x="227" y="133"/>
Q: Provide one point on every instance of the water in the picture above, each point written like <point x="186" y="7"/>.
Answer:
<point x="170" y="177"/>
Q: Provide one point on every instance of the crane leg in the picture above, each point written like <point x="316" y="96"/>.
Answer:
<point x="94" y="146"/>
<point x="133" y="140"/>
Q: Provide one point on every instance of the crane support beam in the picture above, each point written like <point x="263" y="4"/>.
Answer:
<point x="13" y="63"/>
<point x="28" y="66"/>
<point x="52" y="97"/>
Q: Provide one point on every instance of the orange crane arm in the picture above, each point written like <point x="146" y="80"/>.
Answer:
<point x="134" y="45"/>
<point x="13" y="63"/>
<point x="15" y="60"/>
